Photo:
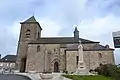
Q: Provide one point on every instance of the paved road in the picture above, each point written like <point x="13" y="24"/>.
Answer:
<point x="13" y="77"/>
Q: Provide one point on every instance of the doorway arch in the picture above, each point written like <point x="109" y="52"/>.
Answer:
<point x="56" y="67"/>
<point x="23" y="64"/>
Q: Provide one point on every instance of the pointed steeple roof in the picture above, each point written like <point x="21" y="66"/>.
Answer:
<point x="76" y="30"/>
<point x="31" y="19"/>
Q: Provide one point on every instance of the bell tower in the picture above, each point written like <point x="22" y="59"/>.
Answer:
<point x="30" y="31"/>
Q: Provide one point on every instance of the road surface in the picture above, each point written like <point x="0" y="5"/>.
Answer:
<point x="13" y="77"/>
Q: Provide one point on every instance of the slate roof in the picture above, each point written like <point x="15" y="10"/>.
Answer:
<point x="59" y="40"/>
<point x="97" y="47"/>
<point x="31" y="20"/>
<point x="9" y="58"/>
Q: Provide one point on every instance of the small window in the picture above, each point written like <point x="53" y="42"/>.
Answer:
<point x="77" y="59"/>
<point x="27" y="33"/>
<point x="54" y="50"/>
<point x="100" y="64"/>
<point x="100" y="55"/>
<point x="38" y="48"/>
<point x="38" y="35"/>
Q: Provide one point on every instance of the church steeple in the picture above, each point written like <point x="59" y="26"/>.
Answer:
<point x="31" y="19"/>
<point x="30" y="31"/>
<point x="76" y="34"/>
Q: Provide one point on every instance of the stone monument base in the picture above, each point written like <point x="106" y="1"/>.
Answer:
<point x="82" y="72"/>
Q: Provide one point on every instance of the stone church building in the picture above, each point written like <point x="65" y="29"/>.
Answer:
<point x="57" y="54"/>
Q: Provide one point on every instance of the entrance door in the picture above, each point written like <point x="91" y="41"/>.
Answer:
<point x="23" y="65"/>
<point x="56" y="67"/>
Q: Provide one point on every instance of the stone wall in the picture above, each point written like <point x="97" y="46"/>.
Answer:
<point x="71" y="62"/>
<point x="7" y="65"/>
<point x="24" y="39"/>
<point x="48" y="55"/>
<point x="35" y="60"/>
<point x="92" y="59"/>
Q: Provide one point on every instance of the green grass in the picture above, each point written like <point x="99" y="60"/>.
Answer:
<point x="96" y="77"/>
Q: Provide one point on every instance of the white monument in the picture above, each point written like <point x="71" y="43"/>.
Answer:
<point x="81" y="70"/>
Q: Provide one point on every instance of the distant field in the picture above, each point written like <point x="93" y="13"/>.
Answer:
<point x="78" y="77"/>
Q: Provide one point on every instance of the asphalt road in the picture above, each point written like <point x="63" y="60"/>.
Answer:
<point x="13" y="77"/>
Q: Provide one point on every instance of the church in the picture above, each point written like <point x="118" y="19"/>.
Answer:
<point x="57" y="54"/>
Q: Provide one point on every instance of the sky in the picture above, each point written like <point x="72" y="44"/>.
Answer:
<point x="95" y="20"/>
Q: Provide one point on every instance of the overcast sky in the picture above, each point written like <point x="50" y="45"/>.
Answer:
<point x="95" y="19"/>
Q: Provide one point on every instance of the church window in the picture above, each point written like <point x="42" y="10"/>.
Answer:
<point x="38" y="35"/>
<point x="100" y="64"/>
<point x="100" y="55"/>
<point x="77" y="59"/>
<point x="28" y="33"/>
<point x="38" y="48"/>
<point x="54" y="50"/>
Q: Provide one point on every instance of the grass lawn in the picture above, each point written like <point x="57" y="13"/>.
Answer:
<point x="78" y="77"/>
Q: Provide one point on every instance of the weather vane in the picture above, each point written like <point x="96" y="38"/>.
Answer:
<point x="33" y="13"/>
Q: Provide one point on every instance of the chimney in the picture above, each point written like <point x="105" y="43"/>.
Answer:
<point x="107" y="46"/>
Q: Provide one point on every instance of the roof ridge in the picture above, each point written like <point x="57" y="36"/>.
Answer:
<point x="31" y="19"/>
<point x="10" y="55"/>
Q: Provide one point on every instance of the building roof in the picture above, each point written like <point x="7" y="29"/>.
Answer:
<point x="59" y="40"/>
<point x="31" y="20"/>
<point x="96" y="47"/>
<point x="9" y="58"/>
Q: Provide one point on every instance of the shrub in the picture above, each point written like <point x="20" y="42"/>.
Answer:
<point x="91" y="70"/>
<point x="109" y="70"/>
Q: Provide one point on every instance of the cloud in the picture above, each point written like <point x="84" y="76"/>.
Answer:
<point x="99" y="26"/>
<point x="50" y="28"/>
<point x="100" y="29"/>
<point x="8" y="39"/>
<point x="13" y="10"/>
<point x="96" y="19"/>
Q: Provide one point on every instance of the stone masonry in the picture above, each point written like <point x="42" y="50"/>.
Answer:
<point x="57" y="54"/>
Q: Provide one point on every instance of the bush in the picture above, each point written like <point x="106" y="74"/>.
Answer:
<point x="91" y="70"/>
<point x="109" y="70"/>
<point x="64" y="71"/>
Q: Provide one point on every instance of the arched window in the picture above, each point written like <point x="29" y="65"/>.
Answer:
<point x="38" y="35"/>
<point x="77" y="59"/>
<point x="38" y="48"/>
<point x="99" y="55"/>
<point x="54" y="50"/>
<point x="28" y="33"/>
